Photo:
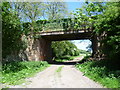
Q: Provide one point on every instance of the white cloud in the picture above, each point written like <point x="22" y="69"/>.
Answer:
<point x="82" y="44"/>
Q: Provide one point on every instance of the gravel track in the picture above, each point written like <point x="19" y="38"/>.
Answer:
<point x="67" y="77"/>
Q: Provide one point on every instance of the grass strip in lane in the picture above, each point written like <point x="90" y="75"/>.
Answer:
<point x="59" y="69"/>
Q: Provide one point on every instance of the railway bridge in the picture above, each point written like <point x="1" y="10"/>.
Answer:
<point x="57" y="31"/>
<point x="45" y="51"/>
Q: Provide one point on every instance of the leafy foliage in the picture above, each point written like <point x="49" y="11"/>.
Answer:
<point x="106" y="21"/>
<point x="11" y="31"/>
<point x="84" y="52"/>
<point x="15" y="72"/>
<point x="102" y="72"/>
<point x="109" y="22"/>
<point x="64" y="48"/>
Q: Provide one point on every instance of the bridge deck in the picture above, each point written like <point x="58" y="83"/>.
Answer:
<point x="66" y="35"/>
<point x="60" y="32"/>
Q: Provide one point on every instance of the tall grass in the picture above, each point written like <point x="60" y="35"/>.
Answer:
<point x="103" y="72"/>
<point x="14" y="73"/>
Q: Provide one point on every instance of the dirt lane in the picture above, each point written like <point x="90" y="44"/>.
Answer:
<point x="54" y="77"/>
<point x="68" y="77"/>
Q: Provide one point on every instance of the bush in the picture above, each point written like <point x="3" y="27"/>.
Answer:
<point x="16" y="72"/>
<point x="64" y="48"/>
<point x="65" y="57"/>
<point x="11" y="31"/>
<point x="85" y="59"/>
<point x="102" y="72"/>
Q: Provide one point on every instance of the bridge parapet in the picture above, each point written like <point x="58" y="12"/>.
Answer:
<point x="63" y="24"/>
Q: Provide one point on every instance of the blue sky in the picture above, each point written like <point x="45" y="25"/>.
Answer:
<point x="73" y="5"/>
<point x="81" y="44"/>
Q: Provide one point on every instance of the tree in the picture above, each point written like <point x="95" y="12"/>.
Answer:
<point x="56" y="10"/>
<point x="106" y="19"/>
<point x="11" y="31"/>
<point x="30" y="12"/>
<point x="13" y="16"/>
<point x="63" y="48"/>
<point x="108" y="24"/>
<point x="85" y="16"/>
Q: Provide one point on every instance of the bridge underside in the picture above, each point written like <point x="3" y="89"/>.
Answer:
<point x="60" y="37"/>
<point x="47" y="38"/>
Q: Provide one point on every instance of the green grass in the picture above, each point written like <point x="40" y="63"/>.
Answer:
<point x="4" y="88"/>
<point x="14" y="73"/>
<point x="101" y="71"/>
<point x="66" y="58"/>
<point x="59" y="69"/>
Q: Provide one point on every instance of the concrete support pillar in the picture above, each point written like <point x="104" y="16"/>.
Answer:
<point x="45" y="50"/>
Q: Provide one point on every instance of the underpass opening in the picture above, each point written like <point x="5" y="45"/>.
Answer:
<point x="70" y="52"/>
<point x="48" y="37"/>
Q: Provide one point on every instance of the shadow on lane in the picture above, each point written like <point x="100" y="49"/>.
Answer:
<point x="77" y="60"/>
<point x="63" y="63"/>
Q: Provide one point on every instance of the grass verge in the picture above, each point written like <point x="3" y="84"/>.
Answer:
<point x="66" y="58"/>
<point x="14" y="73"/>
<point x="101" y="71"/>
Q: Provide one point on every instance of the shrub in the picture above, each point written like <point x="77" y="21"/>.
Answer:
<point x="101" y="72"/>
<point x="64" y="48"/>
<point x="16" y="72"/>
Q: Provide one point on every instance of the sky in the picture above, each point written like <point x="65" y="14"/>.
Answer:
<point x="81" y="44"/>
<point x="73" y="5"/>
